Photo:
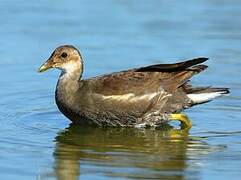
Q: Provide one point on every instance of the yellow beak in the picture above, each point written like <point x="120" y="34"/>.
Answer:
<point x="44" y="67"/>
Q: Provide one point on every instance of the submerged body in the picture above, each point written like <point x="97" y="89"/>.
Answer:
<point x="147" y="95"/>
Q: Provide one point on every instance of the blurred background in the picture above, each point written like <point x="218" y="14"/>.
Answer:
<point x="37" y="142"/>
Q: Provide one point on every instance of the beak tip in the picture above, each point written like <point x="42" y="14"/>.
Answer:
<point x="40" y="70"/>
<point x="43" y="68"/>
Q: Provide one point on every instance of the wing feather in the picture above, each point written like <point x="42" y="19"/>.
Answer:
<point x="146" y="80"/>
<point x="172" y="67"/>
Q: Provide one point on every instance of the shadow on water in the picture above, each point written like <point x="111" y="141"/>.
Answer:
<point x="125" y="153"/>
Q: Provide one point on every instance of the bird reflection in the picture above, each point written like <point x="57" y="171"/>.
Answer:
<point x="124" y="153"/>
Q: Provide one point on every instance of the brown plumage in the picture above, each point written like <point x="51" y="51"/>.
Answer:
<point x="146" y="95"/>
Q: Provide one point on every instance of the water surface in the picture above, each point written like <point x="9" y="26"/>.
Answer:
<point x="37" y="142"/>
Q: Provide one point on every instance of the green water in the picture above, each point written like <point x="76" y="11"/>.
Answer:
<point x="37" y="142"/>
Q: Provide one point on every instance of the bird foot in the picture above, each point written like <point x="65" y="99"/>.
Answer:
<point x="185" y="121"/>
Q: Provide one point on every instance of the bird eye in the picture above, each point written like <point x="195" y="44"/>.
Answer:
<point x="64" y="55"/>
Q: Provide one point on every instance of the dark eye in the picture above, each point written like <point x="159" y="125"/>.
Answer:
<point x="64" y="55"/>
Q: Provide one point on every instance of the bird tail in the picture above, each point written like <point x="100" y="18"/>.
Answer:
<point x="201" y="95"/>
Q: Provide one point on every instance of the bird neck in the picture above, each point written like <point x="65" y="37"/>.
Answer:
<point x="67" y="86"/>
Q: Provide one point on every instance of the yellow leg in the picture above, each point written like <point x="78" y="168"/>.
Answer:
<point x="185" y="122"/>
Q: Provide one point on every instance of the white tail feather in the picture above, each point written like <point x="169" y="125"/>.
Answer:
<point x="204" y="97"/>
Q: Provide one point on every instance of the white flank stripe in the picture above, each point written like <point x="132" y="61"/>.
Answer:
<point x="130" y="97"/>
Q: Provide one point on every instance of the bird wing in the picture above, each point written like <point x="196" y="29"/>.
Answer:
<point x="138" y="90"/>
<point x="149" y="79"/>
